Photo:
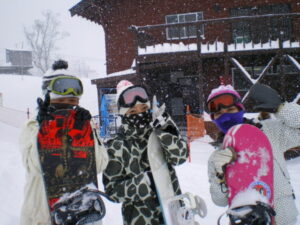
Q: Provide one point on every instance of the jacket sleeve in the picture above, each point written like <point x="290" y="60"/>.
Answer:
<point x="119" y="186"/>
<point x="285" y="128"/>
<point x="218" y="191"/>
<point x="100" y="151"/>
<point x="28" y="146"/>
<point x="289" y="113"/>
<point x="175" y="147"/>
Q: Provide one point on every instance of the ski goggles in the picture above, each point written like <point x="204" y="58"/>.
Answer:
<point x="221" y="101"/>
<point x="131" y="95"/>
<point x="66" y="85"/>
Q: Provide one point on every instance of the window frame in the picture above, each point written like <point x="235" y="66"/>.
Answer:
<point x="184" y="28"/>
<point x="244" y="32"/>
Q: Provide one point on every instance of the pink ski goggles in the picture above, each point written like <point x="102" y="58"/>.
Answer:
<point x="131" y="95"/>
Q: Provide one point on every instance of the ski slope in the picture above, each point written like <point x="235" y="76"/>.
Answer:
<point x="20" y="93"/>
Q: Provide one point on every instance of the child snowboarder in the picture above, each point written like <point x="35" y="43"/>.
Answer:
<point x="128" y="178"/>
<point x="60" y="148"/>
<point x="226" y="110"/>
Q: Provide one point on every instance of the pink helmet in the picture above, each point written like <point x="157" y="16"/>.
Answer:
<point x="225" y="89"/>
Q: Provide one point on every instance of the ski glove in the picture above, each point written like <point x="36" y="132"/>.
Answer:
<point x="221" y="158"/>
<point x="159" y="116"/>
<point x="44" y="109"/>
<point x="82" y="114"/>
<point x="266" y="98"/>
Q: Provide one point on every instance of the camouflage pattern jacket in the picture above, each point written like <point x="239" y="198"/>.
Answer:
<point x="126" y="178"/>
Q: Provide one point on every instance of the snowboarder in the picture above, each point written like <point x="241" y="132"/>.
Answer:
<point x="128" y="178"/>
<point x="226" y="110"/>
<point x="62" y="92"/>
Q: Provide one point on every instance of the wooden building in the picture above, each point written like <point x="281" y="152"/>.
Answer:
<point x="180" y="50"/>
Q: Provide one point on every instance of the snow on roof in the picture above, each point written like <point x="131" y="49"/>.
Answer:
<point x="167" y="47"/>
<point x="215" y="47"/>
<point x="18" y="50"/>
<point x="251" y="46"/>
<point x="122" y="73"/>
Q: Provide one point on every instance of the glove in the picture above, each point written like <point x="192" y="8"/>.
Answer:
<point x="267" y="99"/>
<point x="82" y="114"/>
<point x="159" y="116"/>
<point x="264" y="116"/>
<point x="221" y="158"/>
<point x="44" y="109"/>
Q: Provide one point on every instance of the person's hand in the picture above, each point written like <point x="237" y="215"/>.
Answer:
<point x="266" y="98"/>
<point x="82" y="114"/>
<point x="44" y="109"/>
<point x="159" y="116"/>
<point x="223" y="157"/>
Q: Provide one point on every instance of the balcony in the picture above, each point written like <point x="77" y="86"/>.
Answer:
<point x="214" y="37"/>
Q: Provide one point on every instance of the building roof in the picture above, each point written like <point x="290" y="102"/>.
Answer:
<point x="92" y="10"/>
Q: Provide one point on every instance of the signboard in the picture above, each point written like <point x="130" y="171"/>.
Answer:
<point x="109" y="111"/>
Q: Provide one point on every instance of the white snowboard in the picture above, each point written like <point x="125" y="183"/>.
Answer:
<point x="174" y="212"/>
<point x="161" y="176"/>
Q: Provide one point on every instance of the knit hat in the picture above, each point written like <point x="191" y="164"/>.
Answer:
<point x="121" y="87"/>
<point x="59" y="69"/>
<point x="225" y="89"/>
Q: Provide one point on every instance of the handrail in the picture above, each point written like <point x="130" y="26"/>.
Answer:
<point x="146" y="27"/>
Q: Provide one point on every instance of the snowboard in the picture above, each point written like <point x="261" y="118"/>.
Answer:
<point x="176" y="210"/>
<point x="67" y="155"/>
<point x="249" y="178"/>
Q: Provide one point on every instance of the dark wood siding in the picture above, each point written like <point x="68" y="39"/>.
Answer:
<point x="119" y="15"/>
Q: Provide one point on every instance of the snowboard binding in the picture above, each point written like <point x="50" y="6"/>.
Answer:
<point x="80" y="207"/>
<point x="259" y="214"/>
<point x="190" y="207"/>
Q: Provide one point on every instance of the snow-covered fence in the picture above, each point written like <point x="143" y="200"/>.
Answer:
<point x="12" y="117"/>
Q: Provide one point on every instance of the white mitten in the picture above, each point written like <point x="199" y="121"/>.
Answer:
<point x="223" y="157"/>
<point x="159" y="117"/>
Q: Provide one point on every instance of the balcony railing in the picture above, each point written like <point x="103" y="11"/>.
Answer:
<point x="232" y="34"/>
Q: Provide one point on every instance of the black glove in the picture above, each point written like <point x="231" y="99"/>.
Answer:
<point x="45" y="109"/>
<point x="81" y="116"/>
<point x="266" y="98"/>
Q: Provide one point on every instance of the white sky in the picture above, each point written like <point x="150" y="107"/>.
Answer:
<point x="85" y="41"/>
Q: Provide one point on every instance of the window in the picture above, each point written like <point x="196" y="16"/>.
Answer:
<point x="183" y="32"/>
<point x="272" y="28"/>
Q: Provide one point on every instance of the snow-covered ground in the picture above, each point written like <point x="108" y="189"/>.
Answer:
<point x="20" y="93"/>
